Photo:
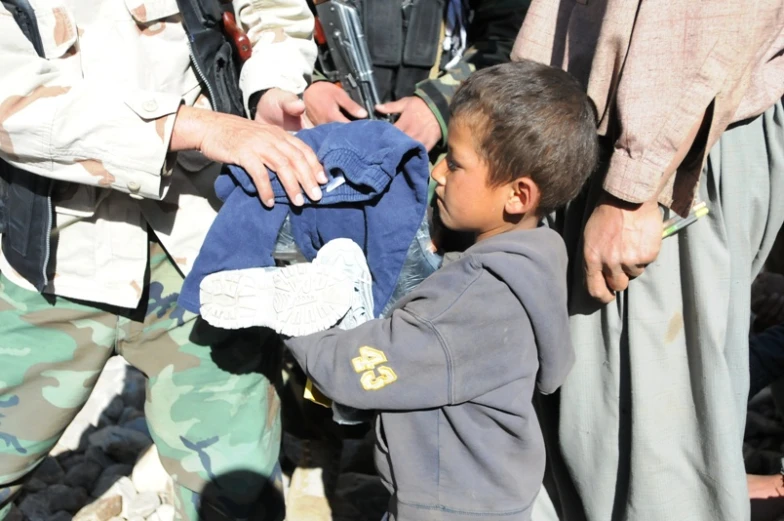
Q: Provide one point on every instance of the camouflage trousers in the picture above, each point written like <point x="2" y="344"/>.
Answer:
<point x="211" y="405"/>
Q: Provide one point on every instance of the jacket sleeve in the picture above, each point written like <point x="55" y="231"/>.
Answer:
<point x="398" y="363"/>
<point x="57" y="124"/>
<point x="437" y="350"/>
<point x="491" y="34"/>
<point x="281" y="32"/>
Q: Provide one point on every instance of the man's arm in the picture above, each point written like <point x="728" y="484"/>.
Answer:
<point x="62" y="126"/>
<point x="281" y="32"/>
<point x="398" y="363"/>
<point x="622" y="238"/>
<point x="658" y="76"/>
<point x="437" y="350"/>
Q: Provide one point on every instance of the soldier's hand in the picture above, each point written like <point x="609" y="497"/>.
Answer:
<point x="281" y="108"/>
<point x="255" y="147"/>
<point x="416" y="119"/>
<point x="325" y="103"/>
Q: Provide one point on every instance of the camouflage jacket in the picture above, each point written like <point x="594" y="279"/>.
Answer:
<point x="96" y="114"/>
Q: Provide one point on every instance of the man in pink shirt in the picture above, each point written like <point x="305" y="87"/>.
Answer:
<point x="649" y="424"/>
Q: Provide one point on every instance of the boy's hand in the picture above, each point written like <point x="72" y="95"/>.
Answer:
<point x="416" y="119"/>
<point x="620" y="240"/>
<point x="281" y="108"/>
<point x="255" y="147"/>
<point x="324" y="101"/>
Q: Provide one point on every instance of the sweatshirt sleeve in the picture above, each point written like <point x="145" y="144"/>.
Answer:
<point x="441" y="348"/>
<point x="59" y="125"/>
<point x="398" y="363"/>
<point x="281" y="32"/>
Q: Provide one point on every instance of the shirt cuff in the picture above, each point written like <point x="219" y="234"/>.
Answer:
<point x="631" y="180"/>
<point x="438" y="105"/>
<point x="159" y="111"/>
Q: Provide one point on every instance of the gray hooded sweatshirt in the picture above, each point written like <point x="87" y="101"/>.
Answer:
<point x="452" y="373"/>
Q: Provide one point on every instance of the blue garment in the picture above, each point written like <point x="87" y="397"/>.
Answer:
<point x="380" y="207"/>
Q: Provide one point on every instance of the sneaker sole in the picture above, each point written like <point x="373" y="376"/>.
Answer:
<point x="296" y="300"/>
<point x="341" y="253"/>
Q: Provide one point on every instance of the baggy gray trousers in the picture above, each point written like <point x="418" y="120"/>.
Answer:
<point x="649" y="424"/>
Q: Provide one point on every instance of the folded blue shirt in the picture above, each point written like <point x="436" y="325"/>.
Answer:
<point x="379" y="205"/>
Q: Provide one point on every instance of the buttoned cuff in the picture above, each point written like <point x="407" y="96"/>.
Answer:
<point x="159" y="111"/>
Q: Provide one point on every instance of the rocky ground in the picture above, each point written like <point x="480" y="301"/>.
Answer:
<point x="105" y="468"/>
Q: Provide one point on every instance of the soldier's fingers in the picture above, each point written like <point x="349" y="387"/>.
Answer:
<point x="260" y="177"/>
<point x="293" y="107"/>
<point x="350" y="106"/>
<point x="279" y="163"/>
<point x="310" y="157"/>
<point x="393" y="107"/>
<point x="336" y="115"/>
<point x="302" y="170"/>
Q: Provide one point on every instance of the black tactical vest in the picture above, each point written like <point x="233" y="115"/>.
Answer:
<point x="403" y="39"/>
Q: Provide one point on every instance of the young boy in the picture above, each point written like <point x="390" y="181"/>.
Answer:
<point x="452" y="370"/>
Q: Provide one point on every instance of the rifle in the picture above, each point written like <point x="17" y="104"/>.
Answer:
<point x="344" y="52"/>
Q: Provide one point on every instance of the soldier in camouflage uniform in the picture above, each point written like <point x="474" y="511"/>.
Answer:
<point x="113" y="111"/>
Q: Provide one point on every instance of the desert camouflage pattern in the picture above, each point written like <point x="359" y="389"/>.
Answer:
<point x="212" y="409"/>
<point x="96" y="114"/>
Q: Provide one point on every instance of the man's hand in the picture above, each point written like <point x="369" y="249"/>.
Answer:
<point x="282" y="109"/>
<point x="255" y="147"/>
<point x="324" y="101"/>
<point x="620" y="240"/>
<point x="416" y="119"/>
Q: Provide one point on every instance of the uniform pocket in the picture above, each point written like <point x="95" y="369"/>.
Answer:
<point x="57" y="29"/>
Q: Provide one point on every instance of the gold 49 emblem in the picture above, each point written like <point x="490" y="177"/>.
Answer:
<point x="374" y="375"/>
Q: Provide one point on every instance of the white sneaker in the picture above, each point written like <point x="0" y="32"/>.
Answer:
<point x="347" y="256"/>
<point x="296" y="300"/>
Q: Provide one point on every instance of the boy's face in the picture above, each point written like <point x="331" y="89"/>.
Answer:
<point x="466" y="200"/>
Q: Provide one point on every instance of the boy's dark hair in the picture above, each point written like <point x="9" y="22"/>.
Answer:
<point x="534" y="121"/>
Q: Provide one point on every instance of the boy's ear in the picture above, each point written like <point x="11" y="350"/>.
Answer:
<point x="524" y="196"/>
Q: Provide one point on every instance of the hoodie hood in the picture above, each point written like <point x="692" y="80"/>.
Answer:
<point x="533" y="264"/>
